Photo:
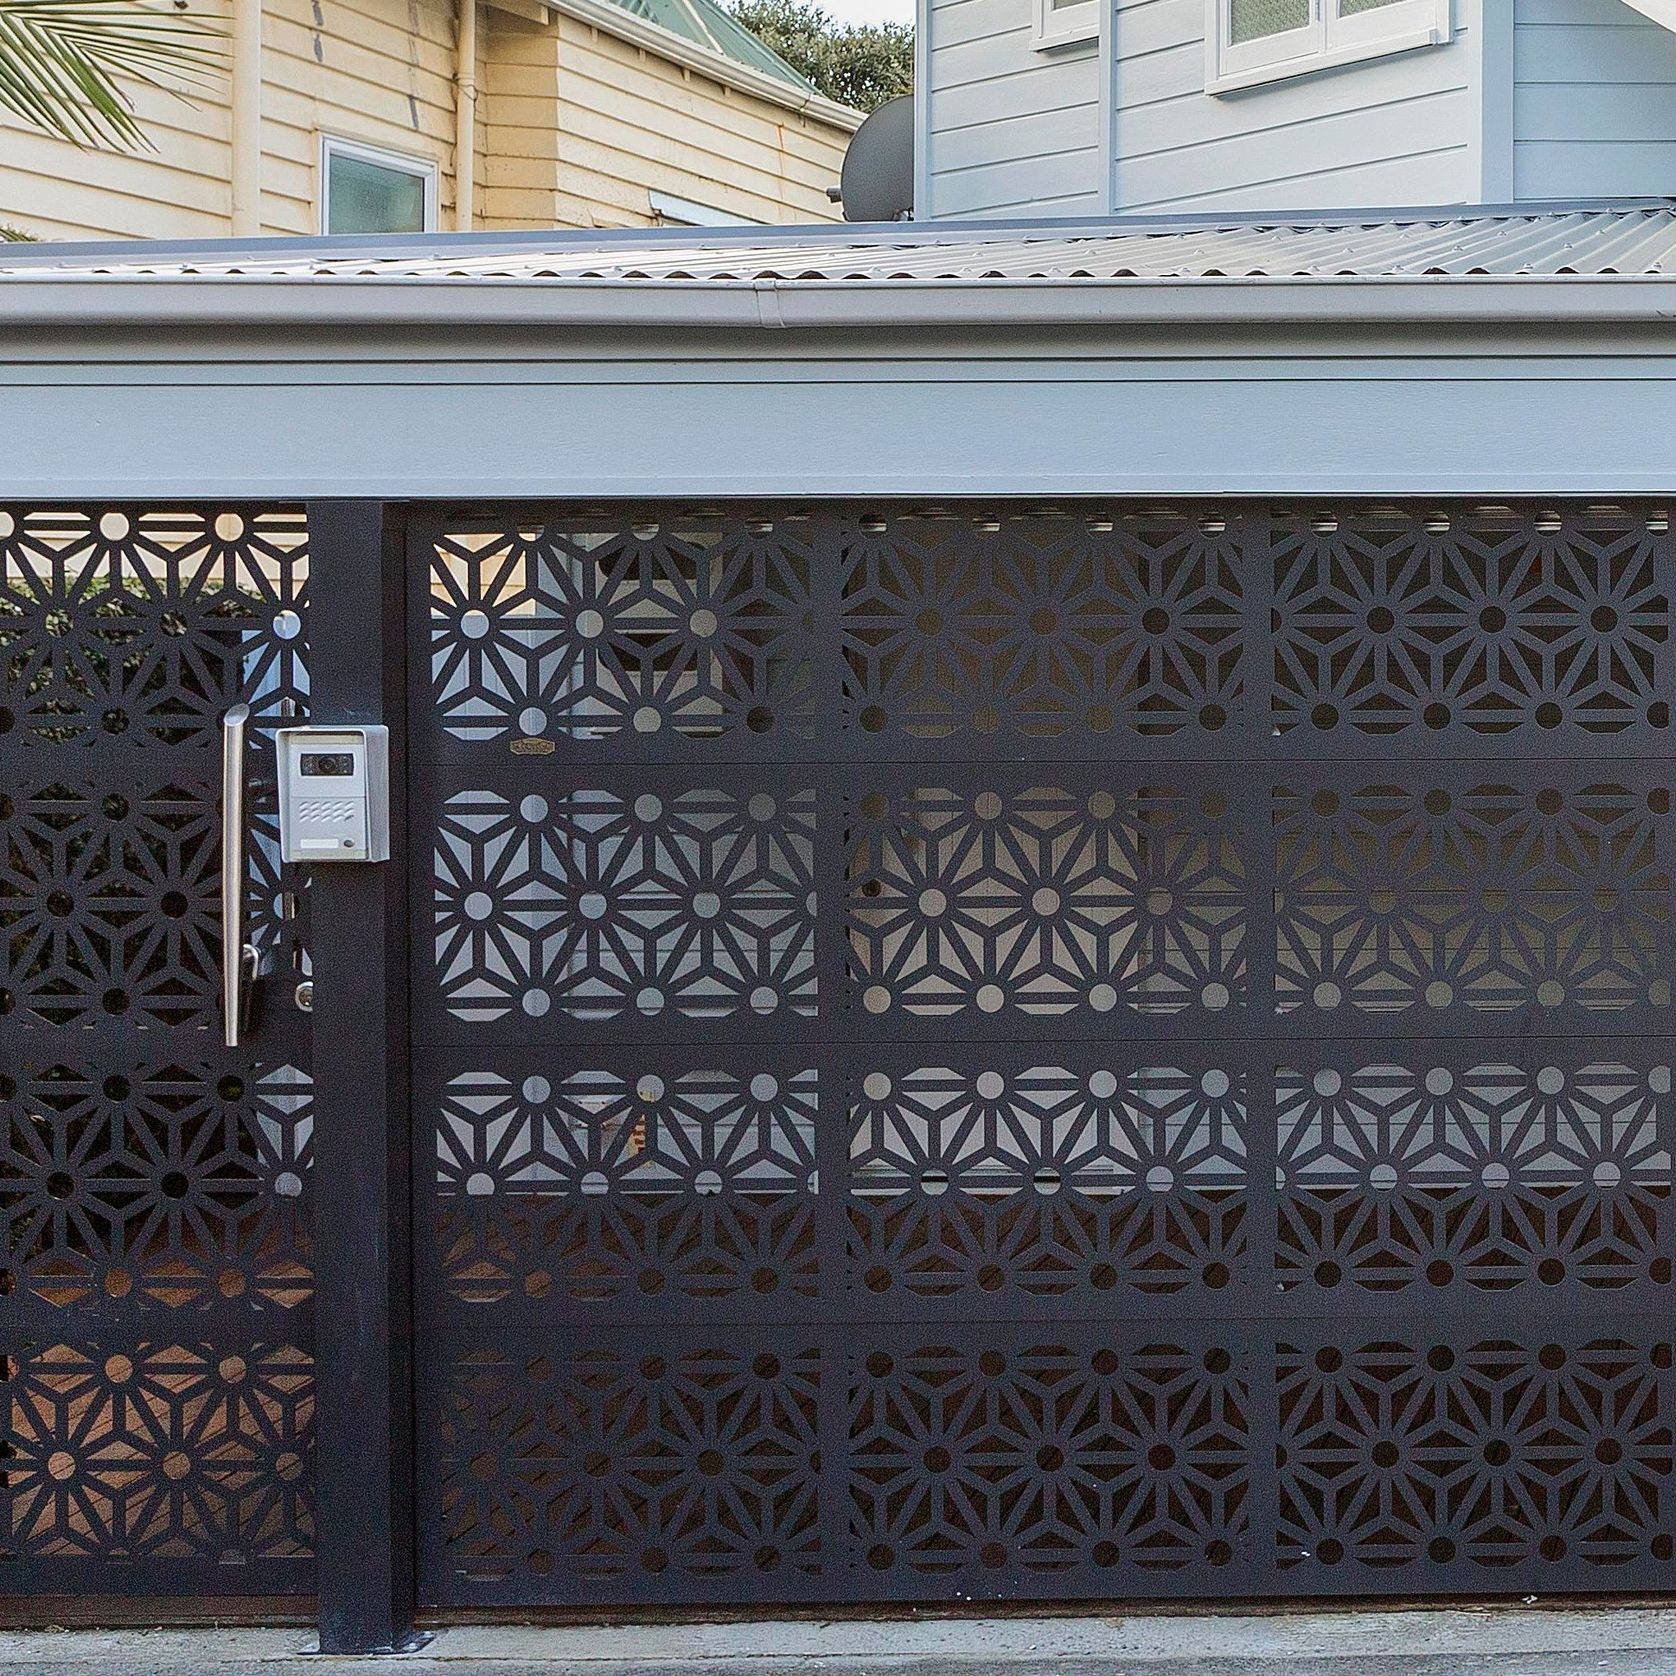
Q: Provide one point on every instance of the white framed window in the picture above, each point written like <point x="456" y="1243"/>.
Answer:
<point x="1063" y="23"/>
<point x="365" y="189"/>
<point x="1253" y="41"/>
<point x="672" y="211"/>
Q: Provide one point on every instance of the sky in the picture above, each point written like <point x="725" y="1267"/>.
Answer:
<point x="870" y="11"/>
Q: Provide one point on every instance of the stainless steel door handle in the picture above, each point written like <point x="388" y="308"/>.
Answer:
<point x="239" y="959"/>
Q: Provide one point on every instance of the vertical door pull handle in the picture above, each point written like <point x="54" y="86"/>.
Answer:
<point x="239" y="959"/>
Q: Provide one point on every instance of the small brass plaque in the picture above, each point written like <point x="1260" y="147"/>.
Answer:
<point x="533" y="747"/>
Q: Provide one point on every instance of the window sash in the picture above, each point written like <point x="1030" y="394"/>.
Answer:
<point x="1065" y="24"/>
<point x="424" y="170"/>
<point x="1330" y="38"/>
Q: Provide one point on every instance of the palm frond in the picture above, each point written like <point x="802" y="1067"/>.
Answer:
<point x="62" y="61"/>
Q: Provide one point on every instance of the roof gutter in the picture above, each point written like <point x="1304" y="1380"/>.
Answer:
<point x="654" y="38"/>
<point x="187" y="302"/>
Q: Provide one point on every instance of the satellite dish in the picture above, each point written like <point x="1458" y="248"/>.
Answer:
<point x="878" y="178"/>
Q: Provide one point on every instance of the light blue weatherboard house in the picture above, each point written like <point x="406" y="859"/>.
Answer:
<point x="1030" y="937"/>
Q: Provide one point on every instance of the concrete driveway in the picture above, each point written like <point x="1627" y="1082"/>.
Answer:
<point x="1491" y="1642"/>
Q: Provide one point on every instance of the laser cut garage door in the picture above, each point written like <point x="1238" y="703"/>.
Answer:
<point x="1003" y="1055"/>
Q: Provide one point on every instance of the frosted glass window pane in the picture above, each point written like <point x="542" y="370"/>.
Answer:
<point x="1349" y="8"/>
<point x="1253" y="20"/>
<point x="368" y="197"/>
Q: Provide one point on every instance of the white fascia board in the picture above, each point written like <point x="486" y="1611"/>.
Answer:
<point x="1660" y="11"/>
<point x="613" y="20"/>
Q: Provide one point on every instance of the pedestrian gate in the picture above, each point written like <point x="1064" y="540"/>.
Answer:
<point x="957" y="1054"/>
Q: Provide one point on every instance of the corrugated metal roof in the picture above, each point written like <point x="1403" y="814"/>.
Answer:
<point x="707" y="25"/>
<point x="1629" y="239"/>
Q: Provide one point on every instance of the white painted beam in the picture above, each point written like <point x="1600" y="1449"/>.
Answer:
<point x="1660" y="11"/>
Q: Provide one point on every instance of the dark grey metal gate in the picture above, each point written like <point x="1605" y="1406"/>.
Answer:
<point x="972" y="1054"/>
<point x="156" y="1263"/>
<point x="1091" y="1052"/>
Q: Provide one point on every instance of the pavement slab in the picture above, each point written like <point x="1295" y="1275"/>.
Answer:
<point x="1627" y="1641"/>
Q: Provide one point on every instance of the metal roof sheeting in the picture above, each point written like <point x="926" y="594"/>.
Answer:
<point x="1636" y="240"/>
<point x="707" y="25"/>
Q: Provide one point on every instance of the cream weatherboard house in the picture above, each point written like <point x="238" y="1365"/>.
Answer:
<point x="360" y="116"/>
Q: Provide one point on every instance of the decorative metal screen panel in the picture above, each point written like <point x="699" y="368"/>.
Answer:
<point x="1043" y="1054"/>
<point x="156" y="1384"/>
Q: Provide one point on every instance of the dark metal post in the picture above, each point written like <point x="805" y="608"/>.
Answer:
<point x="359" y="922"/>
